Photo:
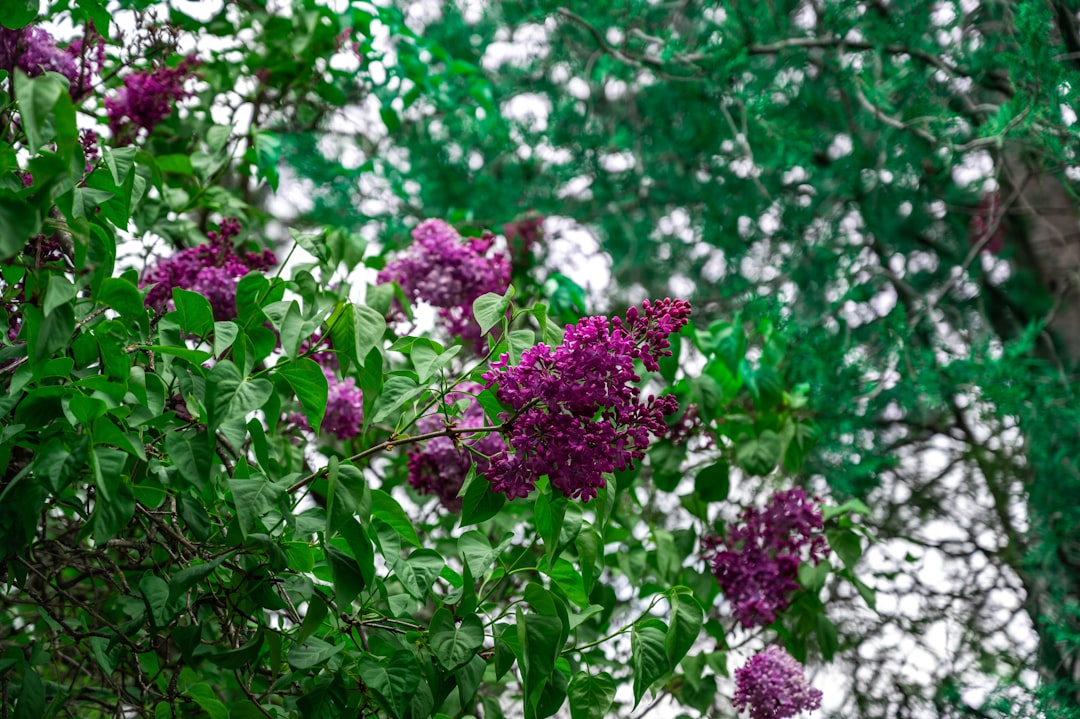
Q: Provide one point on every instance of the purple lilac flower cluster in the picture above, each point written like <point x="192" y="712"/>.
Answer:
<point x="439" y="465"/>
<point x="772" y="685"/>
<point x="34" y="51"/>
<point x="344" y="407"/>
<point x="757" y="565"/>
<point x="147" y="98"/>
<point x="449" y="272"/>
<point x="211" y="269"/>
<point x="576" y="410"/>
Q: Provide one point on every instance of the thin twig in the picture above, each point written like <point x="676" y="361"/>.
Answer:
<point x="387" y="445"/>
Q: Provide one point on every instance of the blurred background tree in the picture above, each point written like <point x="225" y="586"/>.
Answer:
<point x="888" y="184"/>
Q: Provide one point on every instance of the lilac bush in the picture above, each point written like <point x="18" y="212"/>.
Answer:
<point x="772" y="685"/>
<point x="449" y="272"/>
<point x="757" y="564"/>
<point x="576" y="410"/>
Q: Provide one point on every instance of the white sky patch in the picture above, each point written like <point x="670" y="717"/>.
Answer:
<point x="530" y="109"/>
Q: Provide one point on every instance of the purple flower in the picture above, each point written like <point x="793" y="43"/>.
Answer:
<point x="439" y="465"/>
<point x="576" y="410"/>
<point x="34" y="51"/>
<point x="772" y="685"/>
<point x="147" y="98"/>
<point x="344" y="407"/>
<point x="449" y="272"/>
<point x="211" y="269"/>
<point x="757" y="564"/>
<point x="88" y="139"/>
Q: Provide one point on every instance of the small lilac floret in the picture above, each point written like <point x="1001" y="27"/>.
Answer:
<point x="576" y="410"/>
<point x="757" y="564"/>
<point x="772" y="685"/>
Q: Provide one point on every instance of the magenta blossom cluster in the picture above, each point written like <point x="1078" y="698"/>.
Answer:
<point x="439" y="465"/>
<point x="449" y="272"/>
<point x="34" y="51"/>
<point x="147" y="98"/>
<point x="757" y="564"/>
<point x="211" y="269"/>
<point x="772" y="685"/>
<point x="576" y="411"/>
<point x="344" y="407"/>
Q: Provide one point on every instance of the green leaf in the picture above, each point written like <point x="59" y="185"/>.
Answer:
<point x="429" y="357"/>
<point x="684" y="625"/>
<point x="60" y="292"/>
<point x="251" y="291"/>
<point x="267" y="155"/>
<point x="418" y="572"/>
<point x="19" y="220"/>
<point x="232" y="396"/>
<point x="31" y="697"/>
<point x="122" y="296"/>
<point x="386" y="508"/>
<point x="356" y="330"/>
<point x="312" y="652"/>
<point x="188" y="577"/>
<point x="114" y="504"/>
<point x="97" y="14"/>
<point x="47" y="335"/>
<point x="759" y="455"/>
<point x="393" y="681"/>
<point x="310" y="385"/>
<point x="479" y="502"/>
<point x="398" y="391"/>
<point x="490" y="309"/>
<point x="648" y="658"/>
<point x="17" y="14"/>
<point x="455" y="644"/>
<point x="225" y="333"/>
<point x="253" y="499"/>
<point x="713" y="483"/>
<point x="314" y="245"/>
<point x="192" y="454"/>
<point x="591" y="695"/>
<point x="469" y="678"/>
<point x="846" y="544"/>
<point x="242" y="655"/>
<point x="196" y="316"/>
<point x="155" y="592"/>
<point x="348" y="579"/>
<point x="828" y="638"/>
<point x="852" y="506"/>
<point x="539" y="636"/>
<point x="120" y="161"/>
<point x="36" y="98"/>
<point x="390" y="119"/>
